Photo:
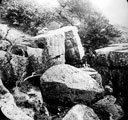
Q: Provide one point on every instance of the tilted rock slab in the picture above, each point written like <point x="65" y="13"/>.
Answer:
<point x="81" y="112"/>
<point x="67" y="85"/>
<point x="8" y="106"/>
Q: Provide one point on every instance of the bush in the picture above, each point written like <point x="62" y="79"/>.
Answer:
<point x="25" y="15"/>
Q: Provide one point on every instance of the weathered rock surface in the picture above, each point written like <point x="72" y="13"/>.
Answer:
<point x="4" y="45"/>
<point x="81" y="112"/>
<point x="94" y="74"/>
<point x="28" y="96"/>
<point x="107" y="109"/>
<point x="66" y="85"/>
<point x="11" y="34"/>
<point x="114" y="55"/>
<point x="2" y="56"/>
<point x="8" y="106"/>
<point x="13" y="69"/>
<point x="49" y="51"/>
<point x="61" y="44"/>
<point x="112" y="63"/>
<point x="73" y="47"/>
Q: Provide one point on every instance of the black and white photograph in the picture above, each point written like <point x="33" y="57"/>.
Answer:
<point x="63" y="59"/>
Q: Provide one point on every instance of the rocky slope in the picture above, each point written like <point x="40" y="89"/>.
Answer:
<point x="39" y="79"/>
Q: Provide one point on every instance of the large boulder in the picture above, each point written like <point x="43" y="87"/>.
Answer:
<point x="66" y="85"/>
<point x="81" y="112"/>
<point x="53" y="46"/>
<point x="8" y="106"/>
<point x="107" y="109"/>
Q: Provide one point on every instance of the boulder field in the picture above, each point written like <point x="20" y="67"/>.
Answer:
<point x="40" y="78"/>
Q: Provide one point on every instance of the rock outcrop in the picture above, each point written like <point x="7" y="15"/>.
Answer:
<point x="112" y="63"/>
<point x="81" y="112"/>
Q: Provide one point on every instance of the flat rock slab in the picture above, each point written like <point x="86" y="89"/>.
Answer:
<point x="115" y="55"/>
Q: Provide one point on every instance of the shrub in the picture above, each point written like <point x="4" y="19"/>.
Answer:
<point x="25" y="15"/>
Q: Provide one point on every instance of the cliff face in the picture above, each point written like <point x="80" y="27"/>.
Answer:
<point x="112" y="63"/>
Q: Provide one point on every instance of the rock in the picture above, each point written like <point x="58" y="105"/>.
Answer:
<point x="35" y="59"/>
<point x="12" y="34"/>
<point x="66" y="85"/>
<point x="53" y="45"/>
<point x="119" y="58"/>
<point x="112" y="63"/>
<point x="53" y="25"/>
<point x="81" y="112"/>
<point x="2" y="56"/>
<point x="8" y="106"/>
<point x="74" y="51"/>
<point x="107" y="109"/>
<point x="20" y="50"/>
<point x="112" y="55"/>
<point x="28" y="97"/>
<point x="33" y="56"/>
<point x="4" y="45"/>
<point x="94" y="74"/>
<point x="62" y="45"/>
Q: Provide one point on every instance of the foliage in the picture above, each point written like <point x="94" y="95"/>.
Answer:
<point x="25" y="15"/>
<point x="94" y="28"/>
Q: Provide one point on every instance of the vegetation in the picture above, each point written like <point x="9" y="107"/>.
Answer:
<point x="24" y="15"/>
<point x="94" y="28"/>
